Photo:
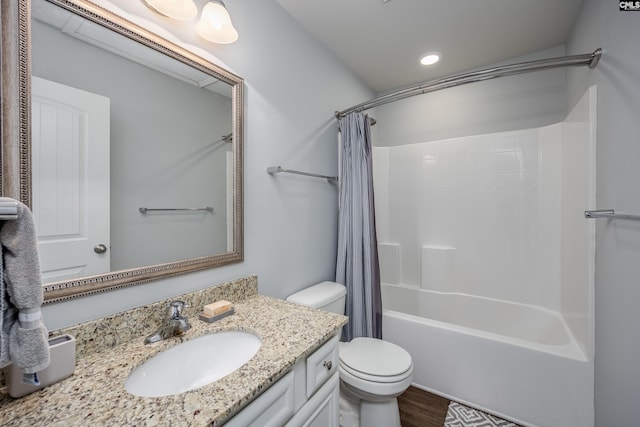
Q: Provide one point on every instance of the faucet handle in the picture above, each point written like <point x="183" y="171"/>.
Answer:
<point x="176" y="307"/>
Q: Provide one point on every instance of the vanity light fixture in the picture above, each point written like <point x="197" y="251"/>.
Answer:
<point x="430" y="58"/>
<point x="182" y="10"/>
<point x="215" y="22"/>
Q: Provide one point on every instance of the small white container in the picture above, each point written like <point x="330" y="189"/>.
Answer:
<point x="63" y="364"/>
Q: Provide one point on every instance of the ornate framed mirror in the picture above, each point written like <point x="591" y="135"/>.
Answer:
<point x="169" y="199"/>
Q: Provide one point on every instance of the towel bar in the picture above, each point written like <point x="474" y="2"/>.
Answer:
<point x="278" y="169"/>
<point x="8" y="209"/>
<point x="610" y="213"/>
<point x="144" y="210"/>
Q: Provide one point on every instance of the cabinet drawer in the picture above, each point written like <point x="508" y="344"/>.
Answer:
<point x="322" y="364"/>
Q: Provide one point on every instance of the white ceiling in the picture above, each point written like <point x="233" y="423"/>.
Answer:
<point x="382" y="41"/>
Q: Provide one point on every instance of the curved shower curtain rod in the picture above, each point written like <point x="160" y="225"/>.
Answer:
<point x="589" y="59"/>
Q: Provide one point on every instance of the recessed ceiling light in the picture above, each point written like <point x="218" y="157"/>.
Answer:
<point x="430" y="58"/>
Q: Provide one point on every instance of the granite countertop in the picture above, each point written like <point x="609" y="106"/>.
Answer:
<point x="95" y="394"/>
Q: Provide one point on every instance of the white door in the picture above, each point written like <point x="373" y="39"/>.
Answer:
<point x="70" y="180"/>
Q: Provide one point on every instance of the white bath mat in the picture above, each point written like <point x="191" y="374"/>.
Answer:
<point x="462" y="416"/>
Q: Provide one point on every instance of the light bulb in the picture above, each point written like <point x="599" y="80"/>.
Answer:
<point x="183" y="10"/>
<point x="215" y="24"/>
<point x="430" y="58"/>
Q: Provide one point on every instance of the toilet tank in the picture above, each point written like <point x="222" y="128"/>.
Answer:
<point x="329" y="296"/>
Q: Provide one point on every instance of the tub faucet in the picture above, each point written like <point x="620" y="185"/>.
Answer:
<point x="176" y="324"/>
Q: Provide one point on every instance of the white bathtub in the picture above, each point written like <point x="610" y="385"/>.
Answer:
<point x="516" y="361"/>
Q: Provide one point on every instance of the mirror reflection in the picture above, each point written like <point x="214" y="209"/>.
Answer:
<point x="132" y="152"/>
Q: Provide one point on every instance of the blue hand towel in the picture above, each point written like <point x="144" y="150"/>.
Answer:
<point x="23" y="337"/>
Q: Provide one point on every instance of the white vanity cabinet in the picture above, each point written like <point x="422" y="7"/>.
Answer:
<point x="308" y="395"/>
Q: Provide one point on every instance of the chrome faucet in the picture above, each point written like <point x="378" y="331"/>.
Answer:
<point x="176" y="324"/>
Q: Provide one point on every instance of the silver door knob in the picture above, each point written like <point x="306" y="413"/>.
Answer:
<point x="100" y="249"/>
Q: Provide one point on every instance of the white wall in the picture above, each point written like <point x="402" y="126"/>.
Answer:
<point x="577" y="250"/>
<point x="617" y="290"/>
<point x="517" y="102"/>
<point x="293" y="86"/>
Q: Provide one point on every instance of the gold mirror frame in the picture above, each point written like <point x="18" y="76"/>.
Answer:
<point x="15" y="128"/>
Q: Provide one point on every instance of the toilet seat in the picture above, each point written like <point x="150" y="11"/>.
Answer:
<point x="375" y="360"/>
<point x="369" y="386"/>
<point x="376" y="378"/>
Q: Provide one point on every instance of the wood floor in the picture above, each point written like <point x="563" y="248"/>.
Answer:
<point x="419" y="408"/>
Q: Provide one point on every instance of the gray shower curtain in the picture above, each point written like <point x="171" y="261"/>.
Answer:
<point x="357" y="262"/>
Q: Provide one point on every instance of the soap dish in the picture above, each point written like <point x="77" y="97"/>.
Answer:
<point x="218" y="317"/>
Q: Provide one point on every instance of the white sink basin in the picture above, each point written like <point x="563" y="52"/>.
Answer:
<point x="192" y="364"/>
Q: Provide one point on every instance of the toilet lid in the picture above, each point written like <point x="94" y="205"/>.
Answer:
<point x="375" y="357"/>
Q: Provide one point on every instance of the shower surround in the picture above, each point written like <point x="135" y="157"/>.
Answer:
<point x="486" y="259"/>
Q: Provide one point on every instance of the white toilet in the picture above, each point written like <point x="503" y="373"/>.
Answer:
<point x="373" y="372"/>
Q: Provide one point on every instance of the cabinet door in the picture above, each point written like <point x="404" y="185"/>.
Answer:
<point x="323" y="409"/>
<point x="271" y="409"/>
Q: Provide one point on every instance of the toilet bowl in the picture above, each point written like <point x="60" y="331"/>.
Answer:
<point x="372" y="372"/>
